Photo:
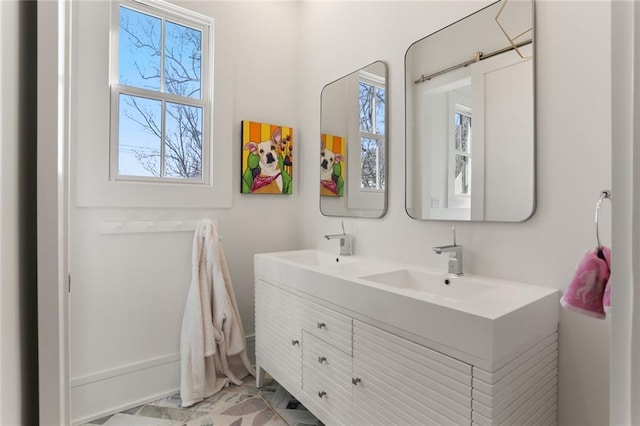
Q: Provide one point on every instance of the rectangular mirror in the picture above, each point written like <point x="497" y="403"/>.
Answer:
<point x="470" y="118"/>
<point x="353" y="124"/>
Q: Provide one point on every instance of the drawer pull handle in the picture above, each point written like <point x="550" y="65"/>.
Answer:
<point x="322" y="359"/>
<point x="322" y="325"/>
<point x="356" y="380"/>
<point x="295" y="342"/>
<point x="322" y="394"/>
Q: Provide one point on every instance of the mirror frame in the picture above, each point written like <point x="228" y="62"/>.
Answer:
<point x="363" y="213"/>
<point x="534" y="178"/>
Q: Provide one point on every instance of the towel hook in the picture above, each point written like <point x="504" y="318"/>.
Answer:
<point x="603" y="194"/>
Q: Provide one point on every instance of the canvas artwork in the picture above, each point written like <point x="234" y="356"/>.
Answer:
<point x="333" y="154"/>
<point x="267" y="158"/>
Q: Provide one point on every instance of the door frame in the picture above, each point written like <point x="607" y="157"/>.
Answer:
<point x="52" y="198"/>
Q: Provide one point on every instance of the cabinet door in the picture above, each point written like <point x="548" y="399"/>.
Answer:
<point x="396" y="381"/>
<point x="278" y="335"/>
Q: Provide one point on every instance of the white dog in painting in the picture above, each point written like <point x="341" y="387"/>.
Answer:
<point x="327" y="160"/>
<point x="328" y="185"/>
<point x="270" y="178"/>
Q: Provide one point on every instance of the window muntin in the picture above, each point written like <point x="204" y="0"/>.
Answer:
<point x="372" y="111"/>
<point x="163" y="58"/>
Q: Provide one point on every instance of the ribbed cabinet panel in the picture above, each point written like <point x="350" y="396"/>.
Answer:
<point x="522" y="392"/>
<point x="410" y="383"/>
<point x="277" y="330"/>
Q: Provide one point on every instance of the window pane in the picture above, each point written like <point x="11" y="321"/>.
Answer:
<point x="139" y="50"/>
<point x="462" y="183"/>
<point x="183" y="142"/>
<point x="139" y="136"/>
<point x="366" y="107"/>
<point x="182" y="62"/>
<point x="463" y="132"/>
<point x="372" y="164"/>
<point x="381" y="168"/>
<point x="380" y="110"/>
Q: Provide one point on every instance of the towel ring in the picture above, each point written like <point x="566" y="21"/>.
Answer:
<point x="603" y="194"/>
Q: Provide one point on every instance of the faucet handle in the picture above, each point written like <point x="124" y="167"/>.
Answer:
<point x="453" y="229"/>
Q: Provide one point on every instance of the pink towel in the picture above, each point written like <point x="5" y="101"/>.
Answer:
<point x="586" y="290"/>
<point x="606" y="299"/>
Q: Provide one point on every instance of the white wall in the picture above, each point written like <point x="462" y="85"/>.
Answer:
<point x="10" y="362"/>
<point x="128" y="290"/>
<point x="573" y="154"/>
<point x="123" y="315"/>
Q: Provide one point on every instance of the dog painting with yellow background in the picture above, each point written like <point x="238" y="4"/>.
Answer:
<point x="332" y="165"/>
<point x="267" y="158"/>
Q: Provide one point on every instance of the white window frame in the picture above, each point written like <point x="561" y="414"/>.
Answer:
<point x="378" y="82"/>
<point x="460" y="105"/>
<point x="165" y="12"/>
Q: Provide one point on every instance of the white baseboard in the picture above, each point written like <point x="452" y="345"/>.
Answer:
<point x="123" y="407"/>
<point x="124" y="369"/>
<point x="107" y="392"/>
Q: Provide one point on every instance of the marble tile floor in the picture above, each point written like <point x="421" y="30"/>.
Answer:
<point x="233" y="406"/>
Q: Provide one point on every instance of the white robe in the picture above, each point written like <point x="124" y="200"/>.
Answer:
<point x="212" y="342"/>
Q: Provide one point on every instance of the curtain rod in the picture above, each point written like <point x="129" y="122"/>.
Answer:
<point x="479" y="57"/>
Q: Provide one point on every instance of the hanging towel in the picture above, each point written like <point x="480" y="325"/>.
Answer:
<point x="586" y="290"/>
<point x="212" y="341"/>
<point x="606" y="299"/>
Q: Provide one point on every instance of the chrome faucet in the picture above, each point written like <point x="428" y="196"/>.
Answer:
<point x="455" y="255"/>
<point x="345" y="242"/>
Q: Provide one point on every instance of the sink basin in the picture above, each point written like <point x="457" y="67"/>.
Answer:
<point x="437" y="285"/>
<point x="316" y="258"/>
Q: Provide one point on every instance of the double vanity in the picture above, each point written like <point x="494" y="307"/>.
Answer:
<point x="367" y="341"/>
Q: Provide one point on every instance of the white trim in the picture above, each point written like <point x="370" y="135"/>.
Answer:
<point x="142" y="227"/>
<point x="123" y="370"/>
<point x="124" y="407"/>
<point x="181" y="12"/>
<point x="625" y="339"/>
<point x="52" y="198"/>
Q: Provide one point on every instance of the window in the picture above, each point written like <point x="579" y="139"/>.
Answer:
<point x="462" y="153"/>
<point x="161" y="97"/>
<point x="372" y="101"/>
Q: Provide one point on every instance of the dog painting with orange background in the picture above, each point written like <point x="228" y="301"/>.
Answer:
<point x="267" y="160"/>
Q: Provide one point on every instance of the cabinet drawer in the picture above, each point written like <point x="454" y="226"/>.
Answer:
<point x="326" y="324"/>
<point x="325" y="360"/>
<point x="328" y="401"/>
<point x="326" y="379"/>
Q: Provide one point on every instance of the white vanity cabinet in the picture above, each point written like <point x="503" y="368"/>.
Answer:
<point x="352" y="372"/>
<point x="335" y="346"/>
